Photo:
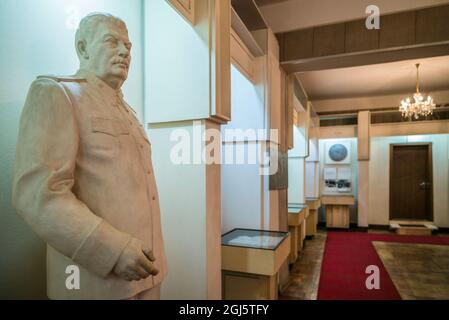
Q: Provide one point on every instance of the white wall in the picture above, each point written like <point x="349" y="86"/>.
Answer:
<point x="38" y="38"/>
<point x="178" y="54"/>
<point x="379" y="171"/>
<point x="312" y="176"/>
<point x="296" y="168"/>
<point x="182" y="198"/>
<point x="242" y="195"/>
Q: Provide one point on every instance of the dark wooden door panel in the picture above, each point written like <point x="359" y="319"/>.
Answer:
<point x="410" y="182"/>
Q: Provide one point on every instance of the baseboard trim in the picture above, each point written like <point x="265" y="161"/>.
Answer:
<point x="379" y="227"/>
<point x="442" y="230"/>
<point x="354" y="227"/>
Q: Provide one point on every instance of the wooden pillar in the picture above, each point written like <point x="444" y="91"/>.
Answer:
<point x="363" y="130"/>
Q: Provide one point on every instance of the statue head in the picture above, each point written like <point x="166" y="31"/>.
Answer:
<point x="103" y="47"/>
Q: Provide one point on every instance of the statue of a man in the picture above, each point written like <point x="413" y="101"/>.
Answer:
<point x="83" y="176"/>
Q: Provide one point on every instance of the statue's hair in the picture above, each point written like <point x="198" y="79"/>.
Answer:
<point x="87" y="26"/>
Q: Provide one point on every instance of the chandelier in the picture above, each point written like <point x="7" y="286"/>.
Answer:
<point x="419" y="105"/>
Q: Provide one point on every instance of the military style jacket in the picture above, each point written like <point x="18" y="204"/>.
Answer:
<point x="84" y="181"/>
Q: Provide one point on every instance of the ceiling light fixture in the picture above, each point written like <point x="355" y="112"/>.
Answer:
<point x="419" y="105"/>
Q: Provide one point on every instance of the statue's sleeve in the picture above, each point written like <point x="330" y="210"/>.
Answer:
<point x="46" y="155"/>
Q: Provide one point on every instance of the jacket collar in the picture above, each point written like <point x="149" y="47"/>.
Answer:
<point x="99" y="83"/>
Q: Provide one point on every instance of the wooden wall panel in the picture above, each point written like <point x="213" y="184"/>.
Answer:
<point x="213" y="224"/>
<point x="222" y="62"/>
<point x="241" y="57"/>
<point x="338" y="132"/>
<point x="363" y="194"/>
<point x="185" y="8"/>
<point x="397" y="30"/>
<point x="274" y="83"/>
<point x="401" y="29"/>
<point x="329" y="40"/>
<point x="297" y="44"/>
<point x="285" y="118"/>
<point x="289" y="101"/>
<point x="432" y="24"/>
<point x="250" y="14"/>
<point x="359" y="38"/>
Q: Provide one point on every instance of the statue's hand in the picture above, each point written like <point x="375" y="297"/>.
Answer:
<point x="136" y="262"/>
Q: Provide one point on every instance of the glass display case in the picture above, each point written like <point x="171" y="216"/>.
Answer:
<point x="251" y="260"/>
<point x="257" y="239"/>
<point x="297" y="213"/>
<point x="296" y="208"/>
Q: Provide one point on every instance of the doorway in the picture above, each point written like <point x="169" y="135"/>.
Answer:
<point x="411" y="185"/>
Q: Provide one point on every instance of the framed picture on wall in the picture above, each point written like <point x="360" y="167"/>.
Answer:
<point x="338" y="152"/>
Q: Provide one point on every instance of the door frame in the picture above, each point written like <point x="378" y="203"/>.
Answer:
<point x="429" y="172"/>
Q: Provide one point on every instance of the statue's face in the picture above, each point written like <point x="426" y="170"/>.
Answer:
<point x="110" y="54"/>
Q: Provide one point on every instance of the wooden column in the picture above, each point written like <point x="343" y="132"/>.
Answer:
<point x="363" y="130"/>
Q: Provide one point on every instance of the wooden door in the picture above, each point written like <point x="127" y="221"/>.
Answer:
<point x="411" y="182"/>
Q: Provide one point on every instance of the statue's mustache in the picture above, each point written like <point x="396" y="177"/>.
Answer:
<point x="121" y="61"/>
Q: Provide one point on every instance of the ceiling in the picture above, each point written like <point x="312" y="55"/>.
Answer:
<point x="287" y="15"/>
<point x="363" y="81"/>
<point x="377" y="80"/>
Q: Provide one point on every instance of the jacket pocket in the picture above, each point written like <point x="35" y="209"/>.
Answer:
<point x="108" y="126"/>
<point x="104" y="139"/>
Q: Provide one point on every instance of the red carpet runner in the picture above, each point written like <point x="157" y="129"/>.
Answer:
<point x="346" y="256"/>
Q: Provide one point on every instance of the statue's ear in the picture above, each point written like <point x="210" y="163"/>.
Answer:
<point x="81" y="46"/>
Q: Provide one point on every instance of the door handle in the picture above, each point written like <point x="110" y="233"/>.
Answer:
<point x="424" y="185"/>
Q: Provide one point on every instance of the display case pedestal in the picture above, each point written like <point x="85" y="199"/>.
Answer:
<point x="337" y="210"/>
<point x="297" y="215"/>
<point x="250" y="263"/>
<point x="312" y="221"/>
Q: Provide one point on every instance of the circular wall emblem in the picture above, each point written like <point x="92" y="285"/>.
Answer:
<point x="338" y="152"/>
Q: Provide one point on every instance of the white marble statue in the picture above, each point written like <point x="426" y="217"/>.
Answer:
<point x="83" y="176"/>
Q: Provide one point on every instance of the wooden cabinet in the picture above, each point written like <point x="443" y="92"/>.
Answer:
<point x="297" y="216"/>
<point x="185" y="8"/>
<point x="312" y="221"/>
<point x="294" y="241"/>
<point x="243" y="286"/>
<point x="337" y="210"/>
<point x="251" y="260"/>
